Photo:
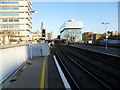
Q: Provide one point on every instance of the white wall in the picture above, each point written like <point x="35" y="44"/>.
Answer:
<point x="11" y="59"/>
<point x="40" y="49"/>
<point x="14" y="57"/>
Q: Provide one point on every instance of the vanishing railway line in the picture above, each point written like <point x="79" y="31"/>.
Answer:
<point x="84" y="72"/>
<point x="106" y="63"/>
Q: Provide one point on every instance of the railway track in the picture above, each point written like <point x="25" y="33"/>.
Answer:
<point x="108" y="64"/>
<point x="109" y="60"/>
<point x="78" y="74"/>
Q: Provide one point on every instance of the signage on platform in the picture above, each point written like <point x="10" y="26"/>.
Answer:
<point x="30" y="43"/>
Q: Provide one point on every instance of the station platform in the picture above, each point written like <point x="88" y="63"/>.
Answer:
<point x="101" y="49"/>
<point x="41" y="72"/>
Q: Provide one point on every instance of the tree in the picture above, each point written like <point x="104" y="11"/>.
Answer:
<point x="7" y="37"/>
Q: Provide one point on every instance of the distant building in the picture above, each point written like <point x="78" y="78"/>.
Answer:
<point x="112" y="37"/>
<point x="43" y="31"/>
<point x="15" y="20"/>
<point x="90" y="37"/>
<point x="44" y="34"/>
<point x="97" y="38"/>
<point x="36" y="35"/>
<point x="71" y="31"/>
<point x="87" y="37"/>
<point x="111" y="33"/>
<point x="50" y="36"/>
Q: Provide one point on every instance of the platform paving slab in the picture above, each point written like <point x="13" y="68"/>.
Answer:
<point x="29" y="77"/>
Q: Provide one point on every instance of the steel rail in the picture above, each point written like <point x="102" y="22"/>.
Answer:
<point x="111" y="83"/>
<point x="89" y="72"/>
<point x="77" y="86"/>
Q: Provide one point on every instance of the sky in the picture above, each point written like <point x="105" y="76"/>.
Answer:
<point x="92" y="14"/>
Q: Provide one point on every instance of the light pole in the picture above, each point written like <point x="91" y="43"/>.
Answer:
<point x="105" y="32"/>
<point x="30" y="39"/>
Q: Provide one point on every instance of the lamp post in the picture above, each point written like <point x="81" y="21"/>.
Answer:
<point x="30" y="39"/>
<point x="106" y="33"/>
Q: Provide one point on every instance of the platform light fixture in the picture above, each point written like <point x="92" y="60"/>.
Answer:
<point x="105" y="23"/>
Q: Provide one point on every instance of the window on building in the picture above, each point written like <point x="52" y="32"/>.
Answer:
<point x="5" y="20"/>
<point x="16" y="20"/>
<point x="10" y="20"/>
<point x="8" y="2"/>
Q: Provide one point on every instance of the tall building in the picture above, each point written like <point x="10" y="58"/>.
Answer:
<point x="43" y="31"/>
<point x="50" y="36"/>
<point x="15" y="20"/>
<point x="71" y="31"/>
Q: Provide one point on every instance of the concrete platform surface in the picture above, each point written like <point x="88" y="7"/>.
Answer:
<point x="41" y="73"/>
<point x="30" y="76"/>
<point x="110" y="50"/>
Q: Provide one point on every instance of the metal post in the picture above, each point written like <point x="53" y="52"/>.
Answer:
<point x="30" y="47"/>
<point x="41" y="50"/>
<point x="106" y="36"/>
<point x="31" y="51"/>
<point x="106" y="47"/>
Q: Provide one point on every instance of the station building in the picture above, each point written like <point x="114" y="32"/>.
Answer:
<point x="71" y="31"/>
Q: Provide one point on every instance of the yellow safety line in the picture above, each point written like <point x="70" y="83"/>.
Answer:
<point x="42" y="76"/>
